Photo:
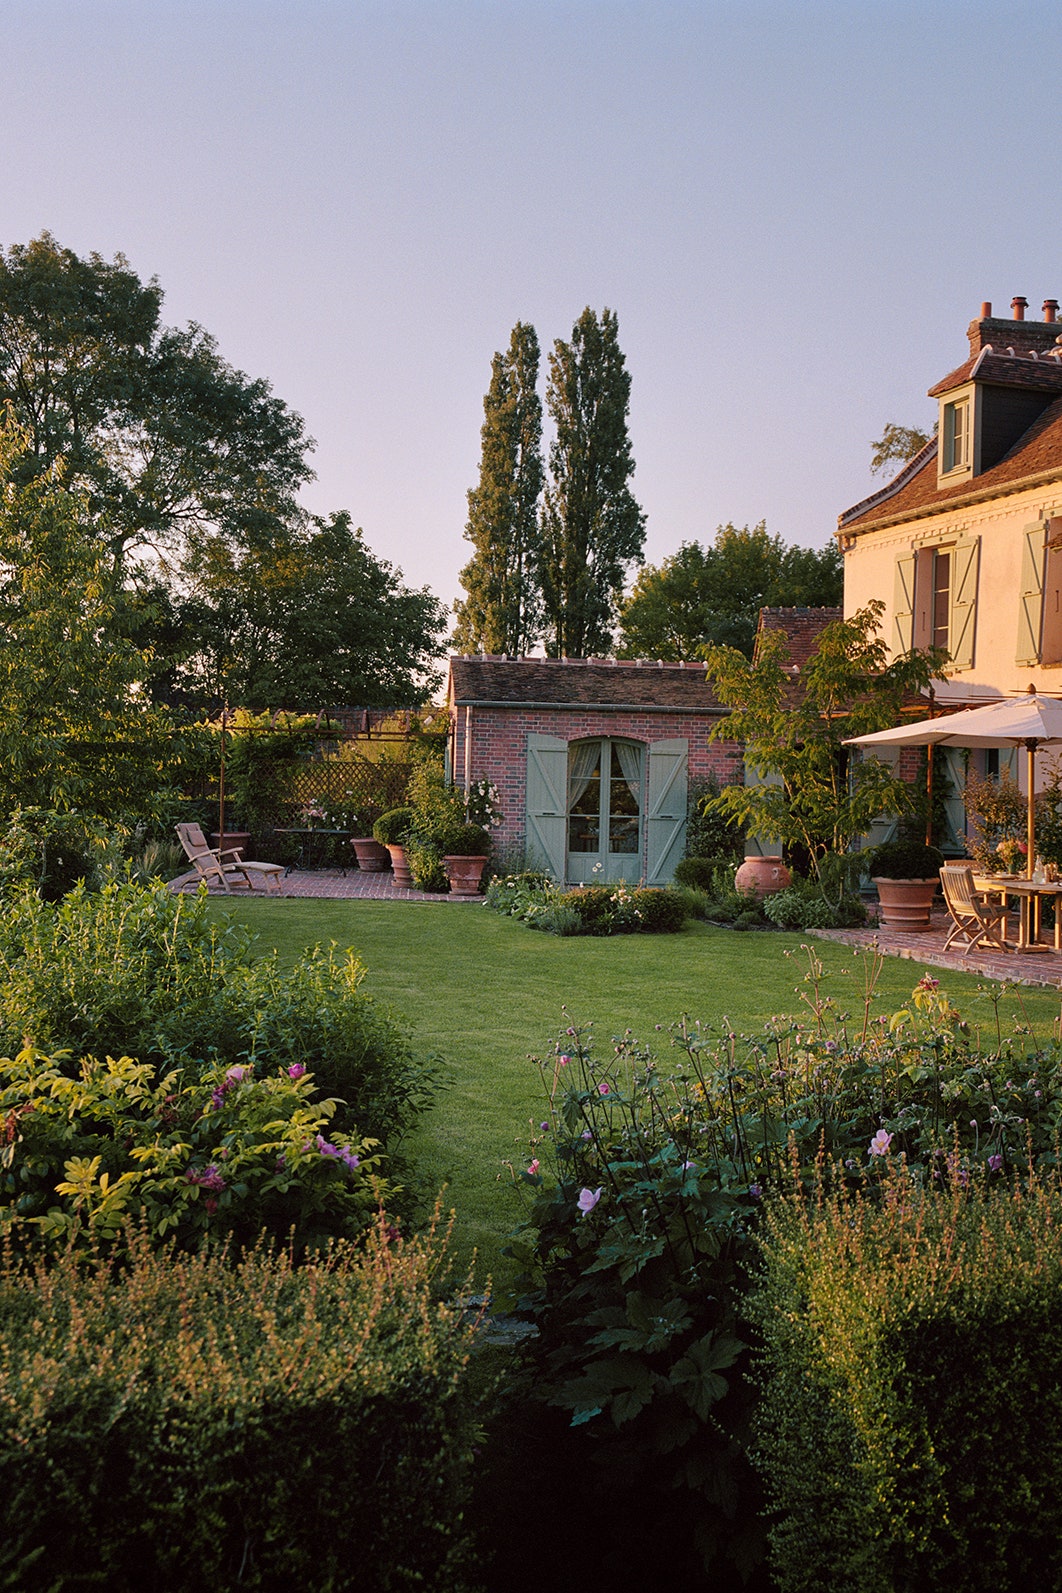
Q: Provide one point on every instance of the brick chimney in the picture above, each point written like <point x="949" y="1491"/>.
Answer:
<point x="1019" y="334"/>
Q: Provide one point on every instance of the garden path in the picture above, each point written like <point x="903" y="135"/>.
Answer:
<point x="331" y="883"/>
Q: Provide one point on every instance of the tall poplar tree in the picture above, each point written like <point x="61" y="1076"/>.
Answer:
<point x="591" y="528"/>
<point x="503" y="611"/>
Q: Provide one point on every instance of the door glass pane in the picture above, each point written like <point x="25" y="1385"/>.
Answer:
<point x="624" y="807"/>
<point x="584" y="816"/>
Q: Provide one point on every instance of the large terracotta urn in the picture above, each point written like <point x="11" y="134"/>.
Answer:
<point x="403" y="879"/>
<point x="372" y="857"/>
<point x="906" y="903"/>
<point x="762" y="876"/>
<point x="464" y="874"/>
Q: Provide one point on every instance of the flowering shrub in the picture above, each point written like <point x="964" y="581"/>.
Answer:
<point x="590" y="910"/>
<point x="648" y="1184"/>
<point x="235" y="1152"/>
<point x="198" y="1423"/>
<point x="136" y="971"/>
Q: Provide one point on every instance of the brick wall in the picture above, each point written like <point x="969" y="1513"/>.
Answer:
<point x="499" y="750"/>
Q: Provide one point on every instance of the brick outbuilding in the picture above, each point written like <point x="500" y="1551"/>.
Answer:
<point x="592" y="759"/>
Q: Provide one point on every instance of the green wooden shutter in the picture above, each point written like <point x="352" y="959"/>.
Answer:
<point x="547" y="803"/>
<point x="1031" y="594"/>
<point x="903" y="605"/>
<point x="666" y="813"/>
<point x="962" y="621"/>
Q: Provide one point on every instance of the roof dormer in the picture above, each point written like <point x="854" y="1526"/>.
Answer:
<point x="1014" y="372"/>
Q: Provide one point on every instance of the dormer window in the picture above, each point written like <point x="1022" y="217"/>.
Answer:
<point x="957" y="435"/>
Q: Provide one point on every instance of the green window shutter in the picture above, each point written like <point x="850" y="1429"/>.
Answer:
<point x="666" y="813"/>
<point x="962" y="621"/>
<point x="547" y="802"/>
<point x="903" y="605"/>
<point x="1030" y="600"/>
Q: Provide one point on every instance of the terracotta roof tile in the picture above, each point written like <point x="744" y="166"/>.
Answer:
<point x="801" y="627"/>
<point x="593" y="682"/>
<point x="1004" y="370"/>
<point x="1037" y="452"/>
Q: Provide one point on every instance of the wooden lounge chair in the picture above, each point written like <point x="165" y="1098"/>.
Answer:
<point x="227" y="867"/>
<point x="972" y="915"/>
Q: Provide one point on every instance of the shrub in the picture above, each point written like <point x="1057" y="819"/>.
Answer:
<point x="710" y="833"/>
<point x="802" y="905"/>
<point x="466" y="840"/>
<point x="909" y="1412"/>
<point x="134" y="971"/>
<point x="392" y="828"/>
<point x="49" y="851"/>
<point x="646" y="1182"/>
<point x="595" y="906"/>
<point x="697" y="872"/>
<point x="660" y="911"/>
<point x="229" y="1154"/>
<point x="426" y="865"/>
<point x="190" y="1424"/>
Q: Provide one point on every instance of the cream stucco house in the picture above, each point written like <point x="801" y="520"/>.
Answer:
<point x="964" y="546"/>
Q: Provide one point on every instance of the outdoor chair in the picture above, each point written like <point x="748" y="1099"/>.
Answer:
<point x="226" y="866"/>
<point x="972" y="915"/>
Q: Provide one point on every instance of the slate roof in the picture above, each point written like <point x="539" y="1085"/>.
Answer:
<point x="648" y="687"/>
<point x="1036" y="455"/>
<point x="801" y="627"/>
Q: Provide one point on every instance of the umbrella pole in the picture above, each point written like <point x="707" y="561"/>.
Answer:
<point x="1030" y="828"/>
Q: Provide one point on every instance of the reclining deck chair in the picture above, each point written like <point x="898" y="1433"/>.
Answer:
<point x="223" y="866"/>
<point x="971" y="914"/>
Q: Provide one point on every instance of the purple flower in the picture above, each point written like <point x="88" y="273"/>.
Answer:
<point x="209" y="1179"/>
<point x="879" y="1145"/>
<point x="588" y="1199"/>
<point x="296" y="1070"/>
<point x="563" y="1061"/>
<point x="236" y="1075"/>
<point x="345" y="1155"/>
<point x="282" y="1163"/>
<point x="995" y="1163"/>
<point x="602" y="1089"/>
<point x="586" y="1134"/>
<point x="544" y="1127"/>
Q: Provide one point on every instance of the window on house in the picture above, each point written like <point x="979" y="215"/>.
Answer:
<point x="935" y="600"/>
<point x="957" y="435"/>
<point x="932" y="615"/>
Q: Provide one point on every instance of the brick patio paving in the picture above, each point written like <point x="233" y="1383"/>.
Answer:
<point x="333" y="884"/>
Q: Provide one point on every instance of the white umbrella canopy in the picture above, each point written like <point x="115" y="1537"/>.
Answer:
<point x="1030" y="721"/>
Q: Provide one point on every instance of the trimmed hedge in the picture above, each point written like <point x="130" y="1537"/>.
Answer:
<point x="910" y="1419"/>
<point x="195" y="1425"/>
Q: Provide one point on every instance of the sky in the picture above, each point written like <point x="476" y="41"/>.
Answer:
<point x="793" y="208"/>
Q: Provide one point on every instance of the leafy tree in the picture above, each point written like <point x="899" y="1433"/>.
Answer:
<point x="702" y="597"/>
<point x="814" y="796"/>
<point x="896" y="445"/>
<point x="165" y="441"/>
<point x="592" y="529"/>
<point x="503" y="610"/>
<point x="307" y="620"/>
<point x="75" y="727"/>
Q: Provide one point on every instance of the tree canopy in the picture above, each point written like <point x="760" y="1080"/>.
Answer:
<point x="502" y="612"/>
<point x="703" y="597"/>
<point x="812" y="794"/>
<point x="896" y="445"/>
<point x="166" y="441"/>
<point x="591" y="528"/>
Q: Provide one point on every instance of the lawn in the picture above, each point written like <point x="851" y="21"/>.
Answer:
<point x="485" y="992"/>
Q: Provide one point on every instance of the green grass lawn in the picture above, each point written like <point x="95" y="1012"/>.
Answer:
<point x="485" y="993"/>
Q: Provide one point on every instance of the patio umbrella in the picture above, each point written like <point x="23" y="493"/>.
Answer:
<point x="1028" y="721"/>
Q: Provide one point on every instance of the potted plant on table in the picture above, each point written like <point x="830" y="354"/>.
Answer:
<point x="465" y="851"/>
<point x="906" y="874"/>
<point x="391" y="830"/>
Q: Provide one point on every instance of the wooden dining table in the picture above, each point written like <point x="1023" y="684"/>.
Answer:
<point x="1031" y="895"/>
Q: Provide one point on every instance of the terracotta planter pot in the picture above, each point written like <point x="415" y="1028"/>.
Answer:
<point x="762" y="876"/>
<point x="232" y="838"/>
<point x="372" y="857"/>
<point x="403" y="879"/>
<point x="906" y="903"/>
<point x="464" y="874"/>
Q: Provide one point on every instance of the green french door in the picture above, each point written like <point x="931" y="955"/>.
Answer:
<point x="606" y="782"/>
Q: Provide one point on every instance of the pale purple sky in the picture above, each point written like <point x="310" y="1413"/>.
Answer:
<point x="794" y="209"/>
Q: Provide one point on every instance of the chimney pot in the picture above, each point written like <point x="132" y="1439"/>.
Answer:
<point x="1050" y="309"/>
<point x="986" y="310"/>
<point x="1019" y="306"/>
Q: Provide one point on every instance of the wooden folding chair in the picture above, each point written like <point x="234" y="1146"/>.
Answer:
<point x="972" y="915"/>
<point x="226" y="865"/>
